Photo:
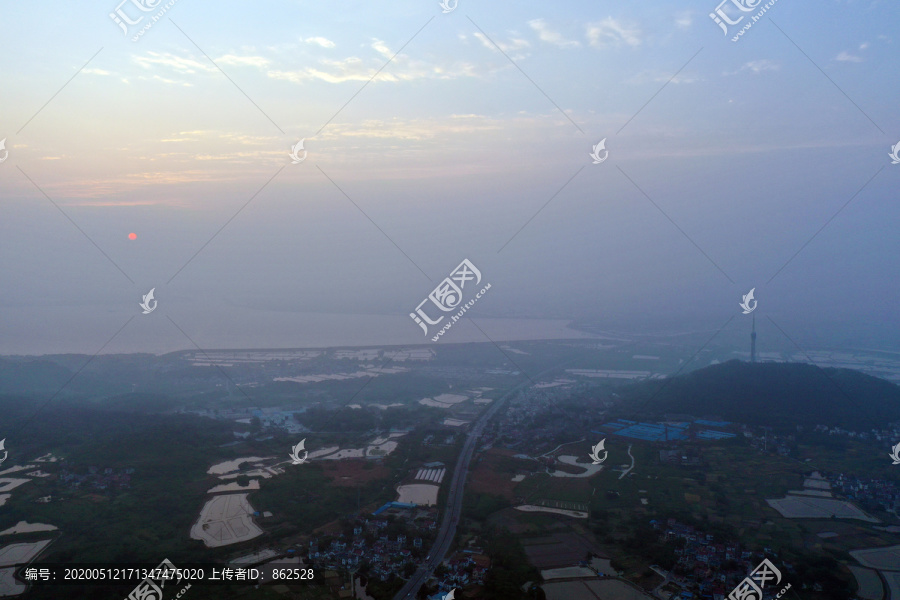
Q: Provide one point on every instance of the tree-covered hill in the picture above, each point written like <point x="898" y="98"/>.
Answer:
<point x="772" y="394"/>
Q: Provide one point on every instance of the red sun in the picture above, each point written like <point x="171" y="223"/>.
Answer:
<point x="132" y="236"/>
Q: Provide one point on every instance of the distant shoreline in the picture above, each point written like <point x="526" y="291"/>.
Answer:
<point x="258" y="331"/>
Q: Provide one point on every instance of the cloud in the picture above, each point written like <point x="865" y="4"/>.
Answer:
<point x="684" y="20"/>
<point x="612" y="32"/>
<point x="512" y="45"/>
<point x="336" y="71"/>
<point x="549" y="36"/>
<point x="660" y="77"/>
<point x="253" y="61"/>
<point x="166" y="80"/>
<point x="847" y="57"/>
<point x="187" y="136"/>
<point x="354" y="68"/>
<point x="176" y="63"/>
<point x="757" y="66"/>
<point x="216" y="137"/>
<point x="330" y="70"/>
<point x="382" y="49"/>
<point x="324" y="42"/>
<point x="416" y="129"/>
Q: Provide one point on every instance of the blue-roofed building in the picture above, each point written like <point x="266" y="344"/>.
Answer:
<point x="707" y="434"/>
<point x="389" y="505"/>
<point x="654" y="432"/>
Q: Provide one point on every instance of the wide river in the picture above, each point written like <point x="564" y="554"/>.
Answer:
<point x="172" y="327"/>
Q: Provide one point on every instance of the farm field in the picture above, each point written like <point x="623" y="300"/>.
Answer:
<point x="225" y="520"/>
<point x="797" y="507"/>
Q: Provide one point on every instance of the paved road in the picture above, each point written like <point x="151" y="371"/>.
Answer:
<point x="447" y="531"/>
<point x="666" y="575"/>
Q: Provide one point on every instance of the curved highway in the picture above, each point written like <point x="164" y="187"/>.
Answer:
<point x="447" y="531"/>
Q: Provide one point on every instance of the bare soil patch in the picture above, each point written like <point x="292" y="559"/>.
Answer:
<point x="350" y="473"/>
<point x="492" y="475"/>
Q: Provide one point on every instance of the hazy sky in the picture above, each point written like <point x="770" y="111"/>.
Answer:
<point x="745" y="149"/>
